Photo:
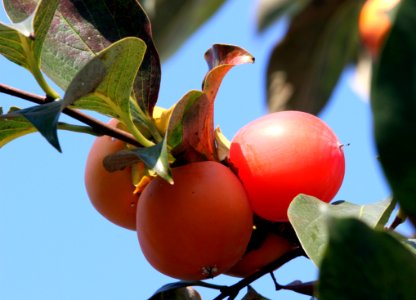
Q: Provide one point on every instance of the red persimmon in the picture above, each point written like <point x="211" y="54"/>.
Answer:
<point x="111" y="193"/>
<point x="283" y="154"/>
<point x="198" y="227"/>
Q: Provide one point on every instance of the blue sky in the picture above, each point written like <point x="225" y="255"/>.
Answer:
<point x="54" y="245"/>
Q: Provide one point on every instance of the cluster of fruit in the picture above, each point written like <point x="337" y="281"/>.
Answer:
<point x="201" y="225"/>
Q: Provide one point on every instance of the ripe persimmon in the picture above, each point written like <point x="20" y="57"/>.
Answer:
<point x="198" y="227"/>
<point x="111" y="193"/>
<point x="374" y="23"/>
<point x="272" y="247"/>
<point x="284" y="154"/>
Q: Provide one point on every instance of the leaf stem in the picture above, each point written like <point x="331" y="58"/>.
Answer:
<point x="400" y="218"/>
<point x="137" y="134"/>
<point x="40" y="79"/>
<point x="100" y="128"/>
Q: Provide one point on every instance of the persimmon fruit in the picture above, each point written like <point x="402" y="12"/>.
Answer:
<point x="374" y="23"/>
<point x="111" y="193"/>
<point x="272" y="247"/>
<point x="283" y="154"/>
<point x="197" y="228"/>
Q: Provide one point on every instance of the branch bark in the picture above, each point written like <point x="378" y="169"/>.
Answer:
<point x="97" y="126"/>
<point x="234" y="289"/>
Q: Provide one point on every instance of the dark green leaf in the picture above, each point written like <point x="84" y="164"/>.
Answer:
<point x="14" y="125"/>
<point x="22" y="42"/>
<point x="45" y="119"/>
<point x="393" y="99"/>
<point x="309" y="217"/>
<point x="305" y="66"/>
<point x="268" y="11"/>
<point x="183" y="293"/>
<point x="81" y="29"/>
<point x="174" y="21"/>
<point x="361" y="263"/>
<point x="253" y="295"/>
<point x="155" y="158"/>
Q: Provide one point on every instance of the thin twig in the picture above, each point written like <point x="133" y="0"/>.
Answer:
<point x="235" y="288"/>
<point x="277" y="286"/>
<point x="305" y="288"/>
<point x="97" y="126"/>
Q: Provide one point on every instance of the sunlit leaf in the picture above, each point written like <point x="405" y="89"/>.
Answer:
<point x="268" y="11"/>
<point x="81" y="29"/>
<point x="120" y="62"/>
<point x="305" y="66"/>
<point x="361" y="263"/>
<point x="393" y="99"/>
<point x="309" y="217"/>
<point x="174" y="21"/>
<point x="22" y="42"/>
<point x="105" y="83"/>
<point x="13" y="128"/>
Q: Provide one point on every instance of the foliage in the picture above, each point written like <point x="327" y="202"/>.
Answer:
<point x="103" y="55"/>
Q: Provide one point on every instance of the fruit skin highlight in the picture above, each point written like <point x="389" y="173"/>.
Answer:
<point x="374" y="23"/>
<point x="197" y="228"/>
<point x="284" y="154"/>
<point x="111" y="193"/>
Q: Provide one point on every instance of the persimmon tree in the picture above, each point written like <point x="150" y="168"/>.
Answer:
<point x="105" y="57"/>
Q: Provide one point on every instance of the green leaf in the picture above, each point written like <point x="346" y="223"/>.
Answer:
<point x="393" y="100"/>
<point x="14" y="125"/>
<point x="309" y="217"/>
<point x="156" y="158"/>
<point x="44" y="118"/>
<point x="81" y="29"/>
<point x="13" y="128"/>
<point x="268" y="11"/>
<point x="361" y="263"/>
<point x="22" y="42"/>
<point x="305" y="66"/>
<point x="191" y="134"/>
<point x="174" y="21"/>
<point x="105" y="84"/>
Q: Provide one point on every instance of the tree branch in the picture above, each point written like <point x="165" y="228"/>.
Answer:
<point x="97" y="126"/>
<point x="233" y="290"/>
